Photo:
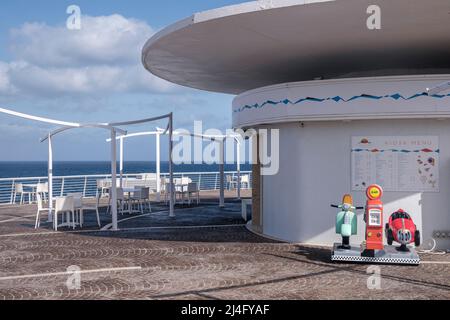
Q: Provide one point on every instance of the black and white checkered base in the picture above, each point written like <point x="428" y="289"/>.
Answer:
<point x="390" y="255"/>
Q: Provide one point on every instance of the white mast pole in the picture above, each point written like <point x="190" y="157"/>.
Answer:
<point x="238" y="145"/>
<point x="50" y="178"/>
<point x="171" y="182"/>
<point x="113" y="191"/>
<point x="222" y="173"/>
<point x="121" y="162"/>
<point x="158" y="166"/>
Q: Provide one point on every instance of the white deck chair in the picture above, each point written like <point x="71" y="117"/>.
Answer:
<point x="122" y="201"/>
<point x="18" y="190"/>
<point x="141" y="197"/>
<point x="245" y="180"/>
<point x="41" y="208"/>
<point x="91" y="207"/>
<point x="181" y="187"/>
<point x="78" y="205"/>
<point x="176" y="190"/>
<point x="194" y="191"/>
<point x="103" y="186"/>
<point x="64" y="205"/>
<point x="42" y="188"/>
<point x="231" y="183"/>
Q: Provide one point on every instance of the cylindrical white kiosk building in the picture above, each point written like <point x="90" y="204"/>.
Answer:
<point x="357" y="90"/>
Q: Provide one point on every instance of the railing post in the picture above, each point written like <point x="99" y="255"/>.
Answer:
<point x="84" y="187"/>
<point x="62" y="187"/>
<point x="233" y="177"/>
<point x="199" y="181"/>
<point x="215" y="183"/>
<point x="13" y="187"/>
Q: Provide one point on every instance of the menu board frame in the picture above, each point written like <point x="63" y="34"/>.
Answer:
<point x="397" y="163"/>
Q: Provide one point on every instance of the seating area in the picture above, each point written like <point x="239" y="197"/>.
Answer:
<point x="133" y="198"/>
<point x="185" y="190"/>
<point x="71" y="209"/>
<point x="75" y="197"/>
<point x="233" y="182"/>
<point x="142" y="180"/>
<point x="28" y="192"/>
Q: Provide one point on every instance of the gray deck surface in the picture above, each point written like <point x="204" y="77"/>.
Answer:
<point x="203" y="253"/>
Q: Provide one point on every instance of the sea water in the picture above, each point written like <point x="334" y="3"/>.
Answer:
<point x="21" y="169"/>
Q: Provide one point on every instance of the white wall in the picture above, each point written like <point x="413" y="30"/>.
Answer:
<point x="315" y="164"/>
<point x="398" y="97"/>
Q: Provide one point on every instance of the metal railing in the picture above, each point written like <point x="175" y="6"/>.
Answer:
<point x="87" y="184"/>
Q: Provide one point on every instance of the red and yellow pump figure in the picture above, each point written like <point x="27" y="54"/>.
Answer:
<point x="374" y="218"/>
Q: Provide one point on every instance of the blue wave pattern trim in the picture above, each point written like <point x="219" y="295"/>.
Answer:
<point x="396" y="96"/>
<point x="393" y="150"/>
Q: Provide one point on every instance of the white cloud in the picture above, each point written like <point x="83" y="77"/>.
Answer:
<point x="95" y="79"/>
<point x="5" y="84"/>
<point x="102" y="57"/>
<point x="101" y="40"/>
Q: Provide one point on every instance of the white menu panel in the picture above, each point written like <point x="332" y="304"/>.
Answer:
<point x="396" y="163"/>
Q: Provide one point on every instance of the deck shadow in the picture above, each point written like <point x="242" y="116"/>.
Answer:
<point x="205" y="223"/>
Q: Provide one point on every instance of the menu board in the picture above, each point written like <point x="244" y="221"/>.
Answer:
<point x="396" y="163"/>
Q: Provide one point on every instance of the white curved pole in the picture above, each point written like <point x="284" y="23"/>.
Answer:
<point x="40" y="119"/>
<point x="128" y="123"/>
<point x="172" y="187"/>
<point x="82" y="126"/>
<point x="137" y="134"/>
<point x="238" y="158"/>
<point x="196" y="135"/>
<point x="222" y="174"/>
<point x="121" y="162"/>
<point x="50" y="179"/>
<point x="158" y="165"/>
<point x="113" y="190"/>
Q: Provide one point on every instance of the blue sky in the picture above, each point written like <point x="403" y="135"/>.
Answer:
<point x="93" y="75"/>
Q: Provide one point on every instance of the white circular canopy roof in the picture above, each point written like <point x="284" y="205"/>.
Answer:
<point x="255" y="44"/>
